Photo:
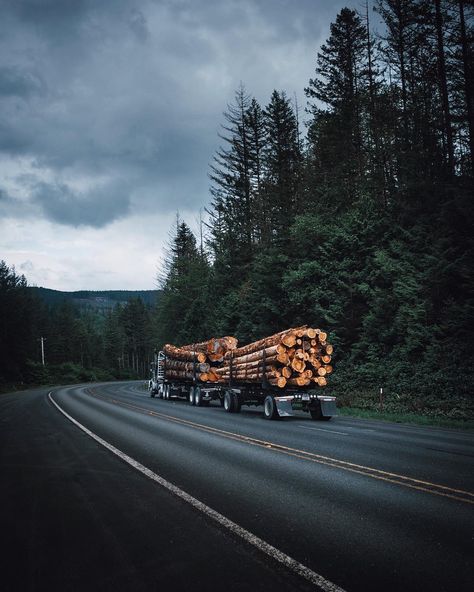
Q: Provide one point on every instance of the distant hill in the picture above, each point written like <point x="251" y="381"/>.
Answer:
<point x="100" y="301"/>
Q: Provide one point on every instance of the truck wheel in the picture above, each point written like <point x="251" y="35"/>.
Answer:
<point x="160" y="391"/>
<point x="237" y="403"/>
<point x="166" y="391"/>
<point x="229" y="402"/>
<point x="197" y="397"/>
<point x="192" y="397"/>
<point x="317" y="414"/>
<point x="270" y="410"/>
<point x="152" y="393"/>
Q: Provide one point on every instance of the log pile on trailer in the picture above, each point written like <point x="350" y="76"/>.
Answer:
<point x="198" y="360"/>
<point x="297" y="357"/>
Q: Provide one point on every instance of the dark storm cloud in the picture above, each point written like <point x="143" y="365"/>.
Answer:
<point x="18" y="82"/>
<point x="125" y="97"/>
<point x="88" y="208"/>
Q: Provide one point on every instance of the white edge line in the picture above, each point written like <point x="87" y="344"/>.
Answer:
<point x="246" y="535"/>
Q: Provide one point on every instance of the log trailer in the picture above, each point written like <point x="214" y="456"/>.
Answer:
<point x="232" y="395"/>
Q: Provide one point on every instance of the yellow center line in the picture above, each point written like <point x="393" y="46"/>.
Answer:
<point x="394" y="478"/>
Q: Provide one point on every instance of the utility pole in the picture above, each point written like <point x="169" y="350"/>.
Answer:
<point x="42" y="339"/>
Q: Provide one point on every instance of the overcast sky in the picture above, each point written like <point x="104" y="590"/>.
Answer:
<point x="109" y="115"/>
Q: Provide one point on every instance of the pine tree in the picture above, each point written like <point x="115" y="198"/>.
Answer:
<point x="282" y="165"/>
<point x="232" y="207"/>
<point x="182" y="313"/>
<point x="335" y="134"/>
<point x="17" y="331"/>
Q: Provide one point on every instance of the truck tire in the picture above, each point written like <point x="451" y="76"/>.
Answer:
<point x="317" y="414"/>
<point x="198" y="397"/>
<point x="270" y="410"/>
<point x="166" y="391"/>
<point x="229" y="401"/>
<point x="237" y="403"/>
<point x="152" y="393"/>
<point x="192" y="396"/>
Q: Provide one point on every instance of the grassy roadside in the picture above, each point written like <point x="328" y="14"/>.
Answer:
<point x="411" y="418"/>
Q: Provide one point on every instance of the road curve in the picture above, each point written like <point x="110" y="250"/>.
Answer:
<point x="362" y="505"/>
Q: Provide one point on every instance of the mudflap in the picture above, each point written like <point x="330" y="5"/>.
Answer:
<point x="328" y="406"/>
<point x="284" y="406"/>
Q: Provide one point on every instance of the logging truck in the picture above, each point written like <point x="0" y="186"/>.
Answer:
<point x="234" y="391"/>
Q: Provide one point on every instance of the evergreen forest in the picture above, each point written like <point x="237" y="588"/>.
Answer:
<point x="359" y="220"/>
<point x="354" y="215"/>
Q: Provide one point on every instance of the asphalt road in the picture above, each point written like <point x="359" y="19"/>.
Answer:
<point x="361" y="505"/>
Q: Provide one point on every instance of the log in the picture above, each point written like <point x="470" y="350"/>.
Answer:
<point x="299" y="381"/>
<point x="326" y="359"/>
<point x="329" y="349"/>
<point x="322" y="371"/>
<point x="328" y="369"/>
<point x="279" y="382"/>
<point x="188" y="366"/>
<point x="266" y="342"/>
<point x="286" y="372"/>
<point x="298" y="365"/>
<point x="257" y="355"/>
<point x="177" y="353"/>
<point x="185" y="376"/>
<point x="214" y="345"/>
<point x="252" y="364"/>
<point x="283" y="359"/>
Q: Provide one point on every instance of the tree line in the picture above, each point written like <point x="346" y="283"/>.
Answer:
<point x="77" y="345"/>
<point x="360" y="221"/>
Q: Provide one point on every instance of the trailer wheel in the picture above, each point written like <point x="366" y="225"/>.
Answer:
<point x="229" y="402"/>
<point x="166" y="392"/>
<point x="198" y="397"/>
<point x="192" y="397"/>
<point x="237" y="403"/>
<point x="317" y="414"/>
<point x="270" y="410"/>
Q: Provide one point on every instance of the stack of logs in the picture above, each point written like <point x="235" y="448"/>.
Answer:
<point x="200" y="358"/>
<point x="295" y="357"/>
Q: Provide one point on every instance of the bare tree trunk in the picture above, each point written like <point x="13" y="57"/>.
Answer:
<point x="468" y="82"/>
<point x="444" y="88"/>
